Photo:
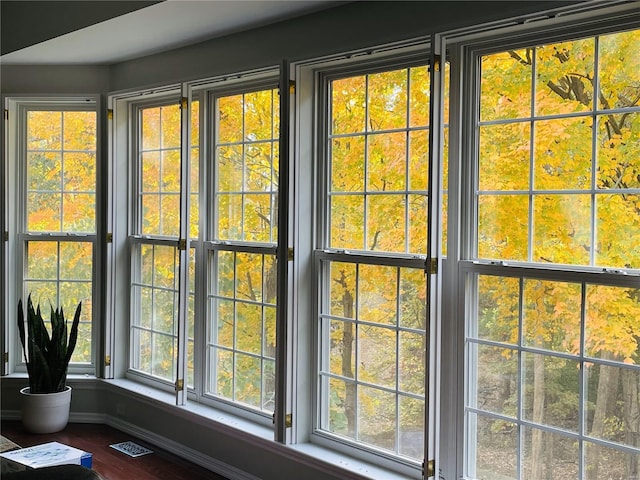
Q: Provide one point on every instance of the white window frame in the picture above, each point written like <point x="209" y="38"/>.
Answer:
<point x="121" y="225"/>
<point x="16" y="237"/>
<point x="461" y="266"/>
<point x="310" y="246"/>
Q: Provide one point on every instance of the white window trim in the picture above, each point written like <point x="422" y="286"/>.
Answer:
<point x="573" y="21"/>
<point x="309" y="179"/>
<point x="15" y="106"/>
<point x="121" y="223"/>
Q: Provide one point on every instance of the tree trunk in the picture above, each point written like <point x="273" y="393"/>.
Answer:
<point x="631" y="392"/>
<point x="607" y="383"/>
<point x="347" y="352"/>
<point x="537" y="444"/>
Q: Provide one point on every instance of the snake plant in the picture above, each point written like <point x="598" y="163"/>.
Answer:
<point x="47" y="356"/>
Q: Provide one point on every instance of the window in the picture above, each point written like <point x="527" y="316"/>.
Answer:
<point x="241" y="260"/>
<point x="553" y="314"/>
<point x="372" y="318"/>
<point x="232" y="225"/>
<point x="154" y="245"/>
<point x="53" y="168"/>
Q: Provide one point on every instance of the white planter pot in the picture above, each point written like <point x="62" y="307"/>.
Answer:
<point x="45" y="412"/>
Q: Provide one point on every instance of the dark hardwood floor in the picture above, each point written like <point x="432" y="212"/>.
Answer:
<point x="108" y="462"/>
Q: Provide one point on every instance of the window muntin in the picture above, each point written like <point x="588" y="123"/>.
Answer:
<point x="372" y="309"/>
<point x="241" y="297"/>
<point x="59" y="221"/>
<point x="556" y="179"/>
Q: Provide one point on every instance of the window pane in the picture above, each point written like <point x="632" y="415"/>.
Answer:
<point x="79" y="131"/>
<point x="419" y="89"/>
<point x="342" y="358"/>
<point x="348" y="105"/>
<point x="563" y="154"/>
<point x="549" y="455"/>
<point x="618" y="151"/>
<point x="377" y="418"/>
<point x="612" y="328"/>
<point x="562" y="229"/>
<point x="347" y="212"/>
<point x="619" y="68"/>
<point x="503" y="223"/>
<point x="609" y="463"/>
<point x="498" y="375"/>
<point x="387" y="100"/>
<point x="340" y="416"/>
<point x="347" y="168"/>
<point x="498" y="309"/>
<point x="386" y="162"/>
<point x="496" y="448"/>
<point x="612" y="400"/>
<point x="563" y="71"/>
<point x="551" y="391"/>
<point x="504" y="157"/>
<point x="411" y="427"/>
<point x="386" y="223"/>
<point x="506" y="85"/>
<point x="551" y="315"/>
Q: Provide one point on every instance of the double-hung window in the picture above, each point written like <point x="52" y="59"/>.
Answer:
<point x="240" y="251"/>
<point x="371" y="233"/>
<point x="154" y="242"/>
<point x="552" y="295"/>
<point x="230" y="318"/>
<point x="52" y="168"/>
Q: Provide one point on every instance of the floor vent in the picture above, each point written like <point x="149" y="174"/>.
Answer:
<point x="131" y="448"/>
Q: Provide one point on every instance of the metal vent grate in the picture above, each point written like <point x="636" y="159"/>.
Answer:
<point x="131" y="448"/>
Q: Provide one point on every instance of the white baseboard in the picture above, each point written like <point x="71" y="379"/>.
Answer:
<point x="180" y="450"/>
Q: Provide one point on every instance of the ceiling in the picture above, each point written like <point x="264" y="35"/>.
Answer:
<point x="101" y="33"/>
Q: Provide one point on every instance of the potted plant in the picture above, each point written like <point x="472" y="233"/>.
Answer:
<point x="47" y="399"/>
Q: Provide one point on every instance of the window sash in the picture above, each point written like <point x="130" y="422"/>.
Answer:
<point x="62" y="240"/>
<point x="329" y="253"/>
<point x="523" y="354"/>
<point x="479" y="420"/>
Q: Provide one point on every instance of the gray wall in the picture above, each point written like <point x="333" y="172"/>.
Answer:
<point x="352" y="26"/>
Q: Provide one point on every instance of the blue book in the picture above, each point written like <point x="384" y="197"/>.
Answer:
<point x="49" y="454"/>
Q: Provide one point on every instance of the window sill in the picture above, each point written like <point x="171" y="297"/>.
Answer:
<point x="331" y="462"/>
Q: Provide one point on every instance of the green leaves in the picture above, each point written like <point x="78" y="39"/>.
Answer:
<point x="47" y="356"/>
